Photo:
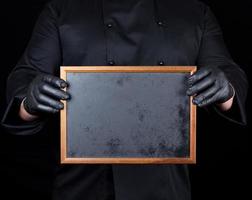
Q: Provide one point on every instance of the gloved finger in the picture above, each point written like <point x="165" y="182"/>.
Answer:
<point x="200" y="86"/>
<point x="202" y="73"/>
<point x="54" y="92"/>
<point x="210" y="100"/>
<point x="55" y="81"/>
<point x="205" y="95"/>
<point x="49" y="101"/>
<point x="46" y="109"/>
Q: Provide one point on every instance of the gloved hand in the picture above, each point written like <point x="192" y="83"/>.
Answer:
<point x="209" y="85"/>
<point x="44" y="95"/>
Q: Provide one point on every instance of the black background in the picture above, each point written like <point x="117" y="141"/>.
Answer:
<point x="223" y="148"/>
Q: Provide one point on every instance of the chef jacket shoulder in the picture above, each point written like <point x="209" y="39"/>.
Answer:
<point x="186" y="12"/>
<point x="181" y="13"/>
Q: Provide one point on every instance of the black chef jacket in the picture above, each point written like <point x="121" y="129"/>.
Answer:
<point x="119" y="32"/>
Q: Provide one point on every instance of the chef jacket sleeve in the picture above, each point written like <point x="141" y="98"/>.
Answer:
<point x="213" y="52"/>
<point x="42" y="55"/>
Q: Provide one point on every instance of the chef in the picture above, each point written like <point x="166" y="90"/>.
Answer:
<point x="120" y="32"/>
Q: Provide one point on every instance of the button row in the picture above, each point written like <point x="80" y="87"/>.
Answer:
<point x="112" y="62"/>
<point x="160" y="23"/>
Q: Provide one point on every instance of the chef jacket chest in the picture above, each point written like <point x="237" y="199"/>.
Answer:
<point x="127" y="32"/>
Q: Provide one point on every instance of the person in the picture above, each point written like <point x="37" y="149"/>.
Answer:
<point x="125" y="32"/>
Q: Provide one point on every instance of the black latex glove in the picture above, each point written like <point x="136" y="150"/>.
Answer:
<point x="209" y="85"/>
<point x="44" y="95"/>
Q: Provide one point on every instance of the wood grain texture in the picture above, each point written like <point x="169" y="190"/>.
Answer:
<point x="140" y="69"/>
<point x="63" y="123"/>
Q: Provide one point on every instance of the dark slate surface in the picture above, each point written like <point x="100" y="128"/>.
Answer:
<point x="128" y="115"/>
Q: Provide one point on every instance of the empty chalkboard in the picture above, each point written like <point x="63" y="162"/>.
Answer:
<point x="128" y="115"/>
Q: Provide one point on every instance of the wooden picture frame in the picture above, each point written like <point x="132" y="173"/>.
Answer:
<point x="102" y="72"/>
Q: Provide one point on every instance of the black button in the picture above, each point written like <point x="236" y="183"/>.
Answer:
<point x="111" y="62"/>
<point x="161" y="63"/>
<point x="109" y="25"/>
<point x="160" y="23"/>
